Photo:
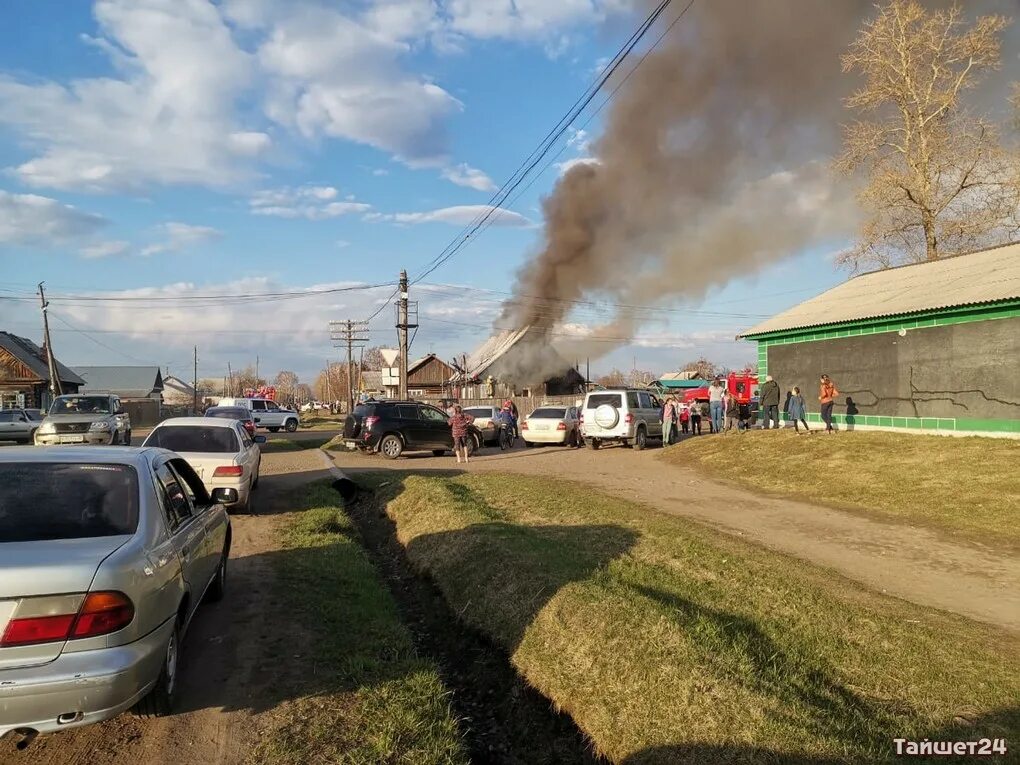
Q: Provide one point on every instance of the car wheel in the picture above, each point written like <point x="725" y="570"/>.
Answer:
<point x="291" y="425"/>
<point x="273" y="430"/>
<point x="391" y="446"/>
<point x="159" y="702"/>
<point x="127" y="438"/>
<point x="218" y="586"/>
<point x="594" y="444"/>
<point x="640" y="440"/>
<point x="439" y="452"/>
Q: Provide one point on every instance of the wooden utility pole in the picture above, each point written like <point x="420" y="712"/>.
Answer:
<point x="403" y="325"/>
<point x="349" y="334"/>
<point x="230" y="378"/>
<point x="256" y="371"/>
<point x="56" y="388"/>
<point x="194" y="398"/>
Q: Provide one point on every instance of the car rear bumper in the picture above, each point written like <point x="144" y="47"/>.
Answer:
<point x="85" y="686"/>
<point x="90" y="439"/>
<point x="616" y="434"/>
<point x="545" y="436"/>
<point x="242" y="485"/>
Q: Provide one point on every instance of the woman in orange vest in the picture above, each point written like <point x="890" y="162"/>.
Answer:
<point x="827" y="396"/>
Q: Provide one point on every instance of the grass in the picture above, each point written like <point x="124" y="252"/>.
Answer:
<point x="281" y="444"/>
<point x="964" y="486"/>
<point x="376" y="701"/>
<point x="670" y="643"/>
<point x="322" y="422"/>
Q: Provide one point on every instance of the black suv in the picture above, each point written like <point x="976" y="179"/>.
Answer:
<point x="393" y="427"/>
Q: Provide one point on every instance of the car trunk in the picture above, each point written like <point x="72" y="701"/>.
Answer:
<point x="205" y="463"/>
<point x="46" y="568"/>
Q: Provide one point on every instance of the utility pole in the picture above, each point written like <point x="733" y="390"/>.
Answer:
<point x="256" y="371"/>
<point x="230" y="377"/>
<point x="194" y="402"/>
<point x="56" y="388"/>
<point x="403" y="325"/>
<point x="349" y="334"/>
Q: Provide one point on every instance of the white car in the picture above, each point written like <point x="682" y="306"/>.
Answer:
<point x="626" y="416"/>
<point x="220" y="451"/>
<point x="552" y="425"/>
<point x="267" y="414"/>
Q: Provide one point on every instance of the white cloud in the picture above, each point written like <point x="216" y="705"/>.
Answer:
<point x="309" y="202"/>
<point x="379" y="172"/>
<point x="524" y="19"/>
<point x="29" y="219"/>
<point x="567" y="165"/>
<point x="469" y="177"/>
<point x="105" y="249"/>
<point x="181" y="236"/>
<point x="460" y="215"/>
<point x="167" y="118"/>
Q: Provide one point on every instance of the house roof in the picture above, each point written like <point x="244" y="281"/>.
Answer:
<point x="177" y="385"/>
<point x="127" y="382"/>
<point x="371" y="380"/>
<point x="490" y="351"/>
<point x="419" y="363"/>
<point x="32" y="356"/>
<point x="988" y="276"/>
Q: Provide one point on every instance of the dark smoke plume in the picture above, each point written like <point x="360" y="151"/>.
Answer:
<point x="713" y="164"/>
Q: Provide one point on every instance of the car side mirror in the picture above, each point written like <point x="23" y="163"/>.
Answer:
<point x="224" y="496"/>
<point x="260" y="439"/>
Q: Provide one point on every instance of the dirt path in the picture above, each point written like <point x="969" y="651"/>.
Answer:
<point x="228" y="677"/>
<point x="906" y="561"/>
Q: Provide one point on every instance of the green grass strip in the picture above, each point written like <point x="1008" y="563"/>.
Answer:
<point x="375" y="700"/>
<point x="669" y="643"/>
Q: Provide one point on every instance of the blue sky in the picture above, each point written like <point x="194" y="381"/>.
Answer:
<point x="175" y="148"/>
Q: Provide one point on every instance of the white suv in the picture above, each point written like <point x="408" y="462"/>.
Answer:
<point x="629" y="417"/>
<point x="267" y="414"/>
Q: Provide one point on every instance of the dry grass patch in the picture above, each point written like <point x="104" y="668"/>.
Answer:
<point x="965" y="486"/>
<point x="369" y="698"/>
<point x="670" y="643"/>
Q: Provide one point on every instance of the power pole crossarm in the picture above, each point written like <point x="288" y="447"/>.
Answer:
<point x="348" y="334"/>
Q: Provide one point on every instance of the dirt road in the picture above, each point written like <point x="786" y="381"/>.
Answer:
<point x="229" y="676"/>
<point x="913" y="563"/>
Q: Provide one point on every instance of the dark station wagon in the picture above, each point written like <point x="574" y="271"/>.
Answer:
<point x="395" y="427"/>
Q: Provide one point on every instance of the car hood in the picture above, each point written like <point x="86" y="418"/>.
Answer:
<point x="77" y="418"/>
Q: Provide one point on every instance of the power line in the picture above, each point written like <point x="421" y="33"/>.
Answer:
<point x="536" y="156"/>
<point x="82" y="332"/>
<point x="214" y="299"/>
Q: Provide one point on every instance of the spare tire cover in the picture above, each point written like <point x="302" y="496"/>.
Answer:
<point x="606" y="416"/>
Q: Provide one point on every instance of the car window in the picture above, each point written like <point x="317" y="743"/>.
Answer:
<point x="175" y="499"/>
<point x="259" y="406"/>
<point x="429" y="413"/>
<point x="407" y="412"/>
<point x="479" y="411"/>
<point x="192" y="484"/>
<point x="644" y="401"/>
<point x="595" y="400"/>
<point x="47" y="500"/>
<point x="81" y="405"/>
<point x="272" y="407"/>
<point x="364" y="410"/>
<point x="228" y="413"/>
<point x="548" y="414"/>
<point x="246" y="440"/>
<point x="632" y="401"/>
<point x="6" y="416"/>
<point x="194" y="438"/>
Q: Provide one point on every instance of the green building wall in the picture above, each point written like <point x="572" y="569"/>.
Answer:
<point x="978" y="367"/>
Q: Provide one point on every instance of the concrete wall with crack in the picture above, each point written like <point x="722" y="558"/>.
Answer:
<point x="968" y="372"/>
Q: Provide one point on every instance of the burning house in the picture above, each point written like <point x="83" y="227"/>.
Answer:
<point x="519" y="362"/>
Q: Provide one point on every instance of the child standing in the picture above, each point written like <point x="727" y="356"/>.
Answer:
<point x="796" y="412"/>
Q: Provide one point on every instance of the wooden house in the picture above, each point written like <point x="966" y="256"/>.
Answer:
<point x="25" y="374"/>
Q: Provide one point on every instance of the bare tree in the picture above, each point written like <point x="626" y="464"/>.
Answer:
<point x="938" y="178"/>
<point x="640" y="378"/>
<point x="244" y="379"/>
<point x="373" y="359"/>
<point x="286" y="383"/>
<point x="704" y="368"/>
<point x="614" y="379"/>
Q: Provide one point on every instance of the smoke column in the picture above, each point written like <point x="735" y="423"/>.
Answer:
<point x="714" y="163"/>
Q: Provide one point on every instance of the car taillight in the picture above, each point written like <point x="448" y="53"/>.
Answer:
<point x="629" y="418"/>
<point x="561" y="426"/>
<point x="100" y="613"/>
<point x="368" y="422"/>
<point x="228" y="471"/>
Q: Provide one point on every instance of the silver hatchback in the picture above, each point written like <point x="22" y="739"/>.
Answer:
<point x="105" y="555"/>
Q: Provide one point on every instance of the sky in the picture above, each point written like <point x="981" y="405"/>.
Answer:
<point x="157" y="152"/>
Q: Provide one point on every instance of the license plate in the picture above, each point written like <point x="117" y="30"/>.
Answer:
<point x="350" y="444"/>
<point x="541" y="427"/>
<point x="72" y="439"/>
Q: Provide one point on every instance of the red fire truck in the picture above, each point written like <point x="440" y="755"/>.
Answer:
<point x="744" y="387"/>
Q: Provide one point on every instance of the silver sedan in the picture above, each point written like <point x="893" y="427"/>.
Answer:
<point x="105" y="555"/>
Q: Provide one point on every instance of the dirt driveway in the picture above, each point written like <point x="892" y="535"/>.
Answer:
<point x="229" y="676"/>
<point x="913" y="563"/>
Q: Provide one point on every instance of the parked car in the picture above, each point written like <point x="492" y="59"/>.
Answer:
<point x="628" y="417"/>
<point x="395" y="427"/>
<point x="551" y="425"/>
<point x="221" y="452"/>
<point x="239" y="413"/>
<point x="267" y="414"/>
<point x="88" y="418"/>
<point x="105" y="556"/>
<point x="17" y="425"/>
<point x="34" y="414"/>
<point x="483" y="421"/>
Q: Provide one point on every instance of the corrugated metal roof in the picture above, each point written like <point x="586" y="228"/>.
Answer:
<point x="972" y="279"/>
<point x="32" y="356"/>
<point x="129" y="382"/>
<point x="490" y="351"/>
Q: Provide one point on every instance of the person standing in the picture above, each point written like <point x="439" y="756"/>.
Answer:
<point x="827" y="396"/>
<point x="706" y="414"/>
<point x="716" y="394"/>
<point x="769" y="402"/>
<point x="684" y="416"/>
<point x="695" y="409"/>
<point x="732" y="413"/>
<point x="459" y="426"/>
<point x="796" y="411"/>
<point x="668" y="419"/>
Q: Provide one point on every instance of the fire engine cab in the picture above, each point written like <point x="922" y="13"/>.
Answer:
<point x="743" y="387"/>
